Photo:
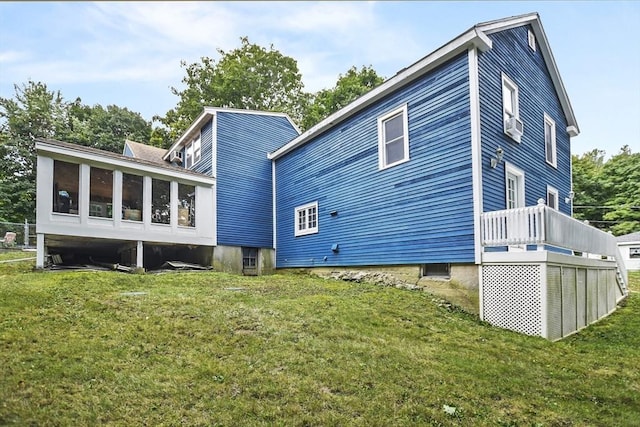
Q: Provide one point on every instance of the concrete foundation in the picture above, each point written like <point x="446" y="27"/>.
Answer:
<point x="460" y="289"/>
<point x="229" y="260"/>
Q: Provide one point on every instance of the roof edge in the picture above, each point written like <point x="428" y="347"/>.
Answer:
<point x="211" y="111"/>
<point x="469" y="39"/>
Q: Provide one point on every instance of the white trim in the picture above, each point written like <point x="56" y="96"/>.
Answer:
<point x="554" y="147"/>
<point x="210" y="111"/>
<point x="512" y="87"/>
<point x="128" y="165"/>
<point x="382" y="143"/>
<point x="273" y="204"/>
<point x="510" y="168"/>
<point x="456" y="46"/>
<point x="476" y="36"/>
<point x="307" y="230"/>
<point x="553" y="191"/>
<point x="476" y="151"/>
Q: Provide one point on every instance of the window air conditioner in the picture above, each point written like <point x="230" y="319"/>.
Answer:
<point x="175" y="157"/>
<point x="514" y="127"/>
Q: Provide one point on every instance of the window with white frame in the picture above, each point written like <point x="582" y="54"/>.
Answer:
<point x="512" y="124"/>
<point x="552" y="197"/>
<point x="192" y="152"/>
<point x="550" y="140"/>
<point x="306" y="219"/>
<point x="393" y="138"/>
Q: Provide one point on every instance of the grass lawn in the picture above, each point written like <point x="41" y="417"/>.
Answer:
<point x="87" y="348"/>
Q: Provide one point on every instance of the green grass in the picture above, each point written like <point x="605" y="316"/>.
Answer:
<point x="217" y="349"/>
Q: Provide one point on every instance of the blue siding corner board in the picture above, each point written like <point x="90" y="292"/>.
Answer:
<point x="420" y="211"/>
<point x="512" y="55"/>
<point x="244" y="176"/>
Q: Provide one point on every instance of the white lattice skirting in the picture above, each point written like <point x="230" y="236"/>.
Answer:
<point x="547" y="299"/>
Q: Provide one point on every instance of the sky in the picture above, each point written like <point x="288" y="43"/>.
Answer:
<point x="129" y="53"/>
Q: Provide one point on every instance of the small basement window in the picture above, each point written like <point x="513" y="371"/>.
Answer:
<point x="437" y="270"/>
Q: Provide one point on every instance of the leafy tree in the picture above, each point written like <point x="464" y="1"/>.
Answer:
<point x="106" y="129"/>
<point x="588" y="187"/>
<point x="353" y="84"/>
<point x="622" y="184"/>
<point x="249" y="77"/>
<point x="34" y="112"/>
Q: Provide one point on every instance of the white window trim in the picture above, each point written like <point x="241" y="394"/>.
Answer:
<point x="553" y="191"/>
<point x="382" y="161"/>
<point x="197" y="148"/>
<point x="531" y="38"/>
<point x="519" y="173"/>
<point x="307" y="230"/>
<point x="193" y="151"/>
<point x="554" y="153"/>
<point x="508" y="84"/>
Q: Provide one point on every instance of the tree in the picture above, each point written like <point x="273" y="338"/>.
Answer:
<point x="106" y="129"/>
<point x="35" y="112"/>
<point x="350" y="86"/>
<point x="249" y="77"/>
<point x="588" y="187"/>
<point x="622" y="184"/>
<point x="607" y="194"/>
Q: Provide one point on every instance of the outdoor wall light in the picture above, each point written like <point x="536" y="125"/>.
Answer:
<point x="570" y="197"/>
<point x="498" y="158"/>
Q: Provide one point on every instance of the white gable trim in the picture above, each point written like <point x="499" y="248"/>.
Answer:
<point x="471" y="38"/>
<point x="208" y="112"/>
<point x="543" y="43"/>
<point x="475" y="37"/>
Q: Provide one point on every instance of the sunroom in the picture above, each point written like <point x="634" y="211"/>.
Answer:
<point x="96" y="205"/>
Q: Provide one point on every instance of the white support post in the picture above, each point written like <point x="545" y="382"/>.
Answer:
<point x="26" y="233"/>
<point x="139" y="254"/>
<point x="40" y="250"/>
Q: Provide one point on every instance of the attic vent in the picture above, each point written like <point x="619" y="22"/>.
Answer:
<point x="532" y="40"/>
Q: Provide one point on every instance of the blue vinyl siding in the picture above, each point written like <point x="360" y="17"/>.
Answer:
<point x="420" y="211"/>
<point x="205" y="164"/>
<point x="244" y="180"/>
<point x="511" y="54"/>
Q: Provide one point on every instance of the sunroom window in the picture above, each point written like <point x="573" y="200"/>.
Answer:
<point x="132" y="197"/>
<point x="101" y="193"/>
<point x="65" y="187"/>
<point x="186" y="205"/>
<point x="161" y="201"/>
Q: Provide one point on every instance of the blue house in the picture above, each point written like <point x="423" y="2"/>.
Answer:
<point x="458" y="168"/>
<point x="454" y="174"/>
<point x="232" y="145"/>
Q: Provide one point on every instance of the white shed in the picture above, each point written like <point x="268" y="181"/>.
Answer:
<point x="629" y="245"/>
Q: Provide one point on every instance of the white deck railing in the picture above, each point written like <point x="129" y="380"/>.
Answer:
<point x="540" y="225"/>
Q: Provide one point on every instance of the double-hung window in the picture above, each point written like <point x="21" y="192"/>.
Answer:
<point x="550" y="140"/>
<point x="393" y="138"/>
<point x="192" y="152"/>
<point x="510" y="110"/>
<point x="306" y="219"/>
<point x="552" y="198"/>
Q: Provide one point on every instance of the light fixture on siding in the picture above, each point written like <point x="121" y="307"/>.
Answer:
<point x="498" y="158"/>
<point x="570" y="197"/>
